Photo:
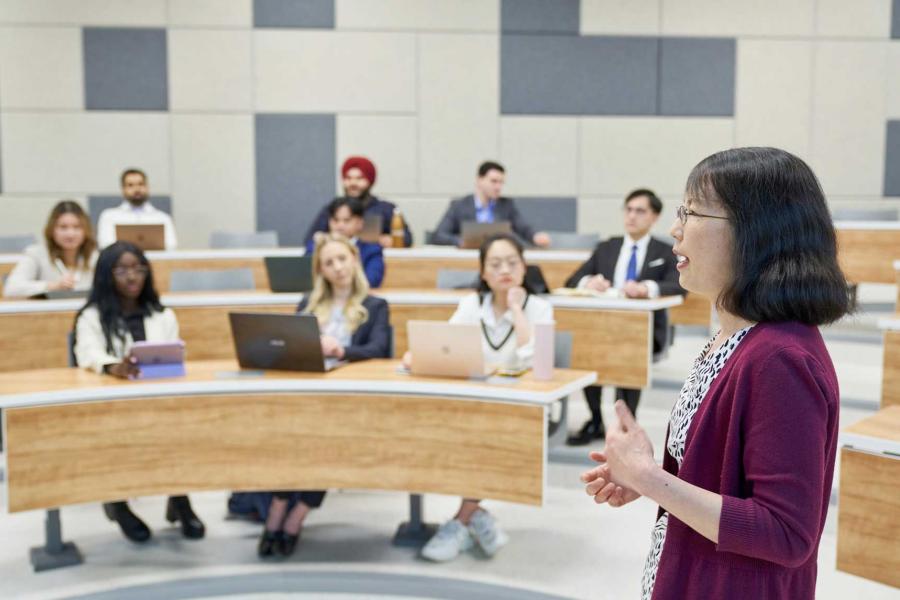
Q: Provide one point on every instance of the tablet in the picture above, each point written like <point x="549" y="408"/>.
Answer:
<point x="159" y="359"/>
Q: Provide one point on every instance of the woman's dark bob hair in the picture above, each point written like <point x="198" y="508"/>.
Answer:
<point x="785" y="252"/>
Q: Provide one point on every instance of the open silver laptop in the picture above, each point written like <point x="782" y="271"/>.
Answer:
<point x="442" y="349"/>
<point x="277" y="341"/>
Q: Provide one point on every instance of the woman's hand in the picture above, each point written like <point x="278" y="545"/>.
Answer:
<point x="515" y="298"/>
<point x="67" y="282"/>
<point x="601" y="486"/>
<point x="331" y="347"/>
<point x="628" y="453"/>
<point x="407" y="360"/>
<point x="127" y="369"/>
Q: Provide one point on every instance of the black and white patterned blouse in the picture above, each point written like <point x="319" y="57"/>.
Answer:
<point x="703" y="373"/>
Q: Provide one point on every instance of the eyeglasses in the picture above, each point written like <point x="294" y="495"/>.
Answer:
<point x="684" y="212"/>
<point x="121" y="272"/>
<point x="497" y="265"/>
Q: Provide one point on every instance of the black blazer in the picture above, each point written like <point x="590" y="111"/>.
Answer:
<point x="372" y="339"/>
<point x="463" y="209"/>
<point x="659" y="266"/>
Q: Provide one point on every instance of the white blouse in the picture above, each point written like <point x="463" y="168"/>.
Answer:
<point x="498" y="340"/>
<point x="36" y="270"/>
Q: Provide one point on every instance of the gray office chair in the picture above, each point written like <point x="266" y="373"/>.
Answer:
<point x="213" y="280"/>
<point x="562" y="359"/>
<point x="457" y="279"/>
<point x="16" y="243"/>
<point x="566" y="240"/>
<point x="864" y="214"/>
<point x="233" y="239"/>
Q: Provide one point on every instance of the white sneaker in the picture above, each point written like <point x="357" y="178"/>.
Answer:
<point x="452" y="538"/>
<point x="487" y="532"/>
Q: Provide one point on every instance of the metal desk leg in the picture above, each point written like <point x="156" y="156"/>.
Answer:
<point x="415" y="532"/>
<point x="54" y="553"/>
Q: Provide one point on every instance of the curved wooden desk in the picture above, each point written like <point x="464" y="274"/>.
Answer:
<point x="867" y="250"/>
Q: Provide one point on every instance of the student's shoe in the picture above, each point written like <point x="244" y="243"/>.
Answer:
<point x="450" y="539"/>
<point x="486" y="532"/>
<point x="268" y="543"/>
<point x="132" y="527"/>
<point x="586" y="434"/>
<point x="178" y="508"/>
<point x="288" y="544"/>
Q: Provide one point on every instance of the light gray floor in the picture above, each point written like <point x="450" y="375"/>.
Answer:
<point x="569" y="547"/>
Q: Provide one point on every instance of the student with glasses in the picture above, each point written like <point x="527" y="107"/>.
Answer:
<point x="124" y="308"/>
<point x="507" y="311"/>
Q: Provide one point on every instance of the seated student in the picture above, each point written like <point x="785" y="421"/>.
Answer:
<point x="65" y="261"/>
<point x="124" y="308"/>
<point x="136" y="209"/>
<point x="345" y="217"/>
<point x="355" y="326"/>
<point x="507" y="312"/>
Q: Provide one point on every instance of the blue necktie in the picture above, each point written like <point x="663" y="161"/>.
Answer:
<point x="631" y="273"/>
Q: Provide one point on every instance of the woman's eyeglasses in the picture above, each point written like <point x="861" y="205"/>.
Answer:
<point x="497" y="265"/>
<point x="121" y="272"/>
<point x="684" y="212"/>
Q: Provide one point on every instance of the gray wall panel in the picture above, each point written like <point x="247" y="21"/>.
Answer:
<point x="540" y="16"/>
<point x="97" y="204"/>
<point x="572" y="75"/>
<point x="550" y="213"/>
<point x="317" y="14"/>
<point x="697" y="76"/>
<point x="125" y="69"/>
<point x="895" y="20"/>
<point x="295" y="172"/>
<point x="892" y="160"/>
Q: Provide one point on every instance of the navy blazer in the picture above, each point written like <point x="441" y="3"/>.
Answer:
<point x="463" y="209"/>
<point x="373" y="206"/>
<point x="372" y="339"/>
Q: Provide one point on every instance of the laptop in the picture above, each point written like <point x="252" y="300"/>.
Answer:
<point x="145" y="237"/>
<point x="473" y="233"/>
<point x="280" y="342"/>
<point x="373" y="227"/>
<point x="289" y="273"/>
<point x="61" y="295"/>
<point x="442" y="349"/>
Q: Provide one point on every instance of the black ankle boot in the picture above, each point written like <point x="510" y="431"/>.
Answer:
<point x="269" y="543"/>
<point x="589" y="431"/>
<point x="179" y="508"/>
<point x="132" y="527"/>
<point x="288" y="544"/>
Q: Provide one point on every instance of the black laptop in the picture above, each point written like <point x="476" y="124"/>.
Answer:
<point x="281" y="342"/>
<point x="289" y="273"/>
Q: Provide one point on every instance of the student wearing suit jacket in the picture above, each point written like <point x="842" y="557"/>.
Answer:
<point x="124" y="308"/>
<point x="355" y="326"/>
<point x="486" y="205"/>
<point x="640" y="266"/>
<point x="345" y="217"/>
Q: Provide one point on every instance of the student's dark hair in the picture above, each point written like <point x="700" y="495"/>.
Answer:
<point x="656" y="204"/>
<point x="131" y="171"/>
<point x="104" y="297"/>
<point x="489" y="165"/>
<point x="355" y="206"/>
<point x="483" y="287"/>
<point x="785" y="252"/>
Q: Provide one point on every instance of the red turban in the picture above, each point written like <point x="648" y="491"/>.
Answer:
<point x="363" y="164"/>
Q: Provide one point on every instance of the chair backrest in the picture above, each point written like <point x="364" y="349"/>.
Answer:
<point x="562" y="240"/>
<point x="213" y="280"/>
<point x="562" y="349"/>
<point x="70" y="340"/>
<point x="234" y="239"/>
<point x="454" y="279"/>
<point x="16" y="243"/>
<point x="429" y="237"/>
<point x="864" y="214"/>
<point x="391" y="341"/>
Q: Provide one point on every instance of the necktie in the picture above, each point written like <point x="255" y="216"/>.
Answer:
<point x="631" y="274"/>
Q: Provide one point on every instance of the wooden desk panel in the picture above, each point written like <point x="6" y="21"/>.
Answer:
<point x="867" y="255"/>
<point x="35" y="341"/>
<point x="162" y="269"/>
<point x="890" y="378"/>
<point x="421" y="273"/>
<point x="5" y="269"/>
<point x="696" y="310"/>
<point x="869" y="516"/>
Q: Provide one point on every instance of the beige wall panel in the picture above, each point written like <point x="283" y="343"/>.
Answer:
<point x="213" y="179"/>
<point x="603" y="214"/>
<point x="82" y="153"/>
<point x="539" y="154"/>
<point x="620" y="17"/>
<point x="390" y="141"/>
<point x="28" y="214"/>
<point x="772" y="100"/>
<point x="41" y="68"/>
<point x="892" y="80"/>
<point x="210" y="70"/>
<point x="366" y="72"/>
<point x="222" y="13"/>
<point x="839" y="18"/>
<point x="421" y="213"/>
<point x="849" y="116"/>
<point x="618" y="154"/>
<point x="418" y="15"/>
<point x="770" y="18"/>
<point x="85" y="12"/>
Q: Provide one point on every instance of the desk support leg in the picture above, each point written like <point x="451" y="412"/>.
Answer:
<point x="54" y="553"/>
<point x="415" y="532"/>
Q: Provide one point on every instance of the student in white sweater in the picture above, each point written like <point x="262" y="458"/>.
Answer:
<point x="507" y="312"/>
<point x="124" y="308"/>
<point x="65" y="261"/>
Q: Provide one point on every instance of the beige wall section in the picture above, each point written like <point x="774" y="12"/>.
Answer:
<point x="41" y="68"/>
<point x="28" y="214"/>
<point x="839" y="18"/>
<point x="539" y="155"/>
<point x="368" y="72"/>
<point x="82" y="152"/>
<point x="770" y="18"/>
<point x="390" y="141"/>
<point x="418" y="15"/>
<point x="620" y="17"/>
<point x="210" y="70"/>
<point x="85" y="12"/>
<point x="423" y="213"/>
<point x="603" y="214"/>
<point x="848" y="127"/>
<point x="211" y="13"/>
<point x="213" y="183"/>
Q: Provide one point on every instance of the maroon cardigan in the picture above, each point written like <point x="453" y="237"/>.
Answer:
<point x="764" y="438"/>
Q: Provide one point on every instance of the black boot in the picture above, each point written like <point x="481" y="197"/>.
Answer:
<point x="288" y="544"/>
<point x="132" y="527"/>
<point x="589" y="431"/>
<point x="269" y="543"/>
<point x="179" y="509"/>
